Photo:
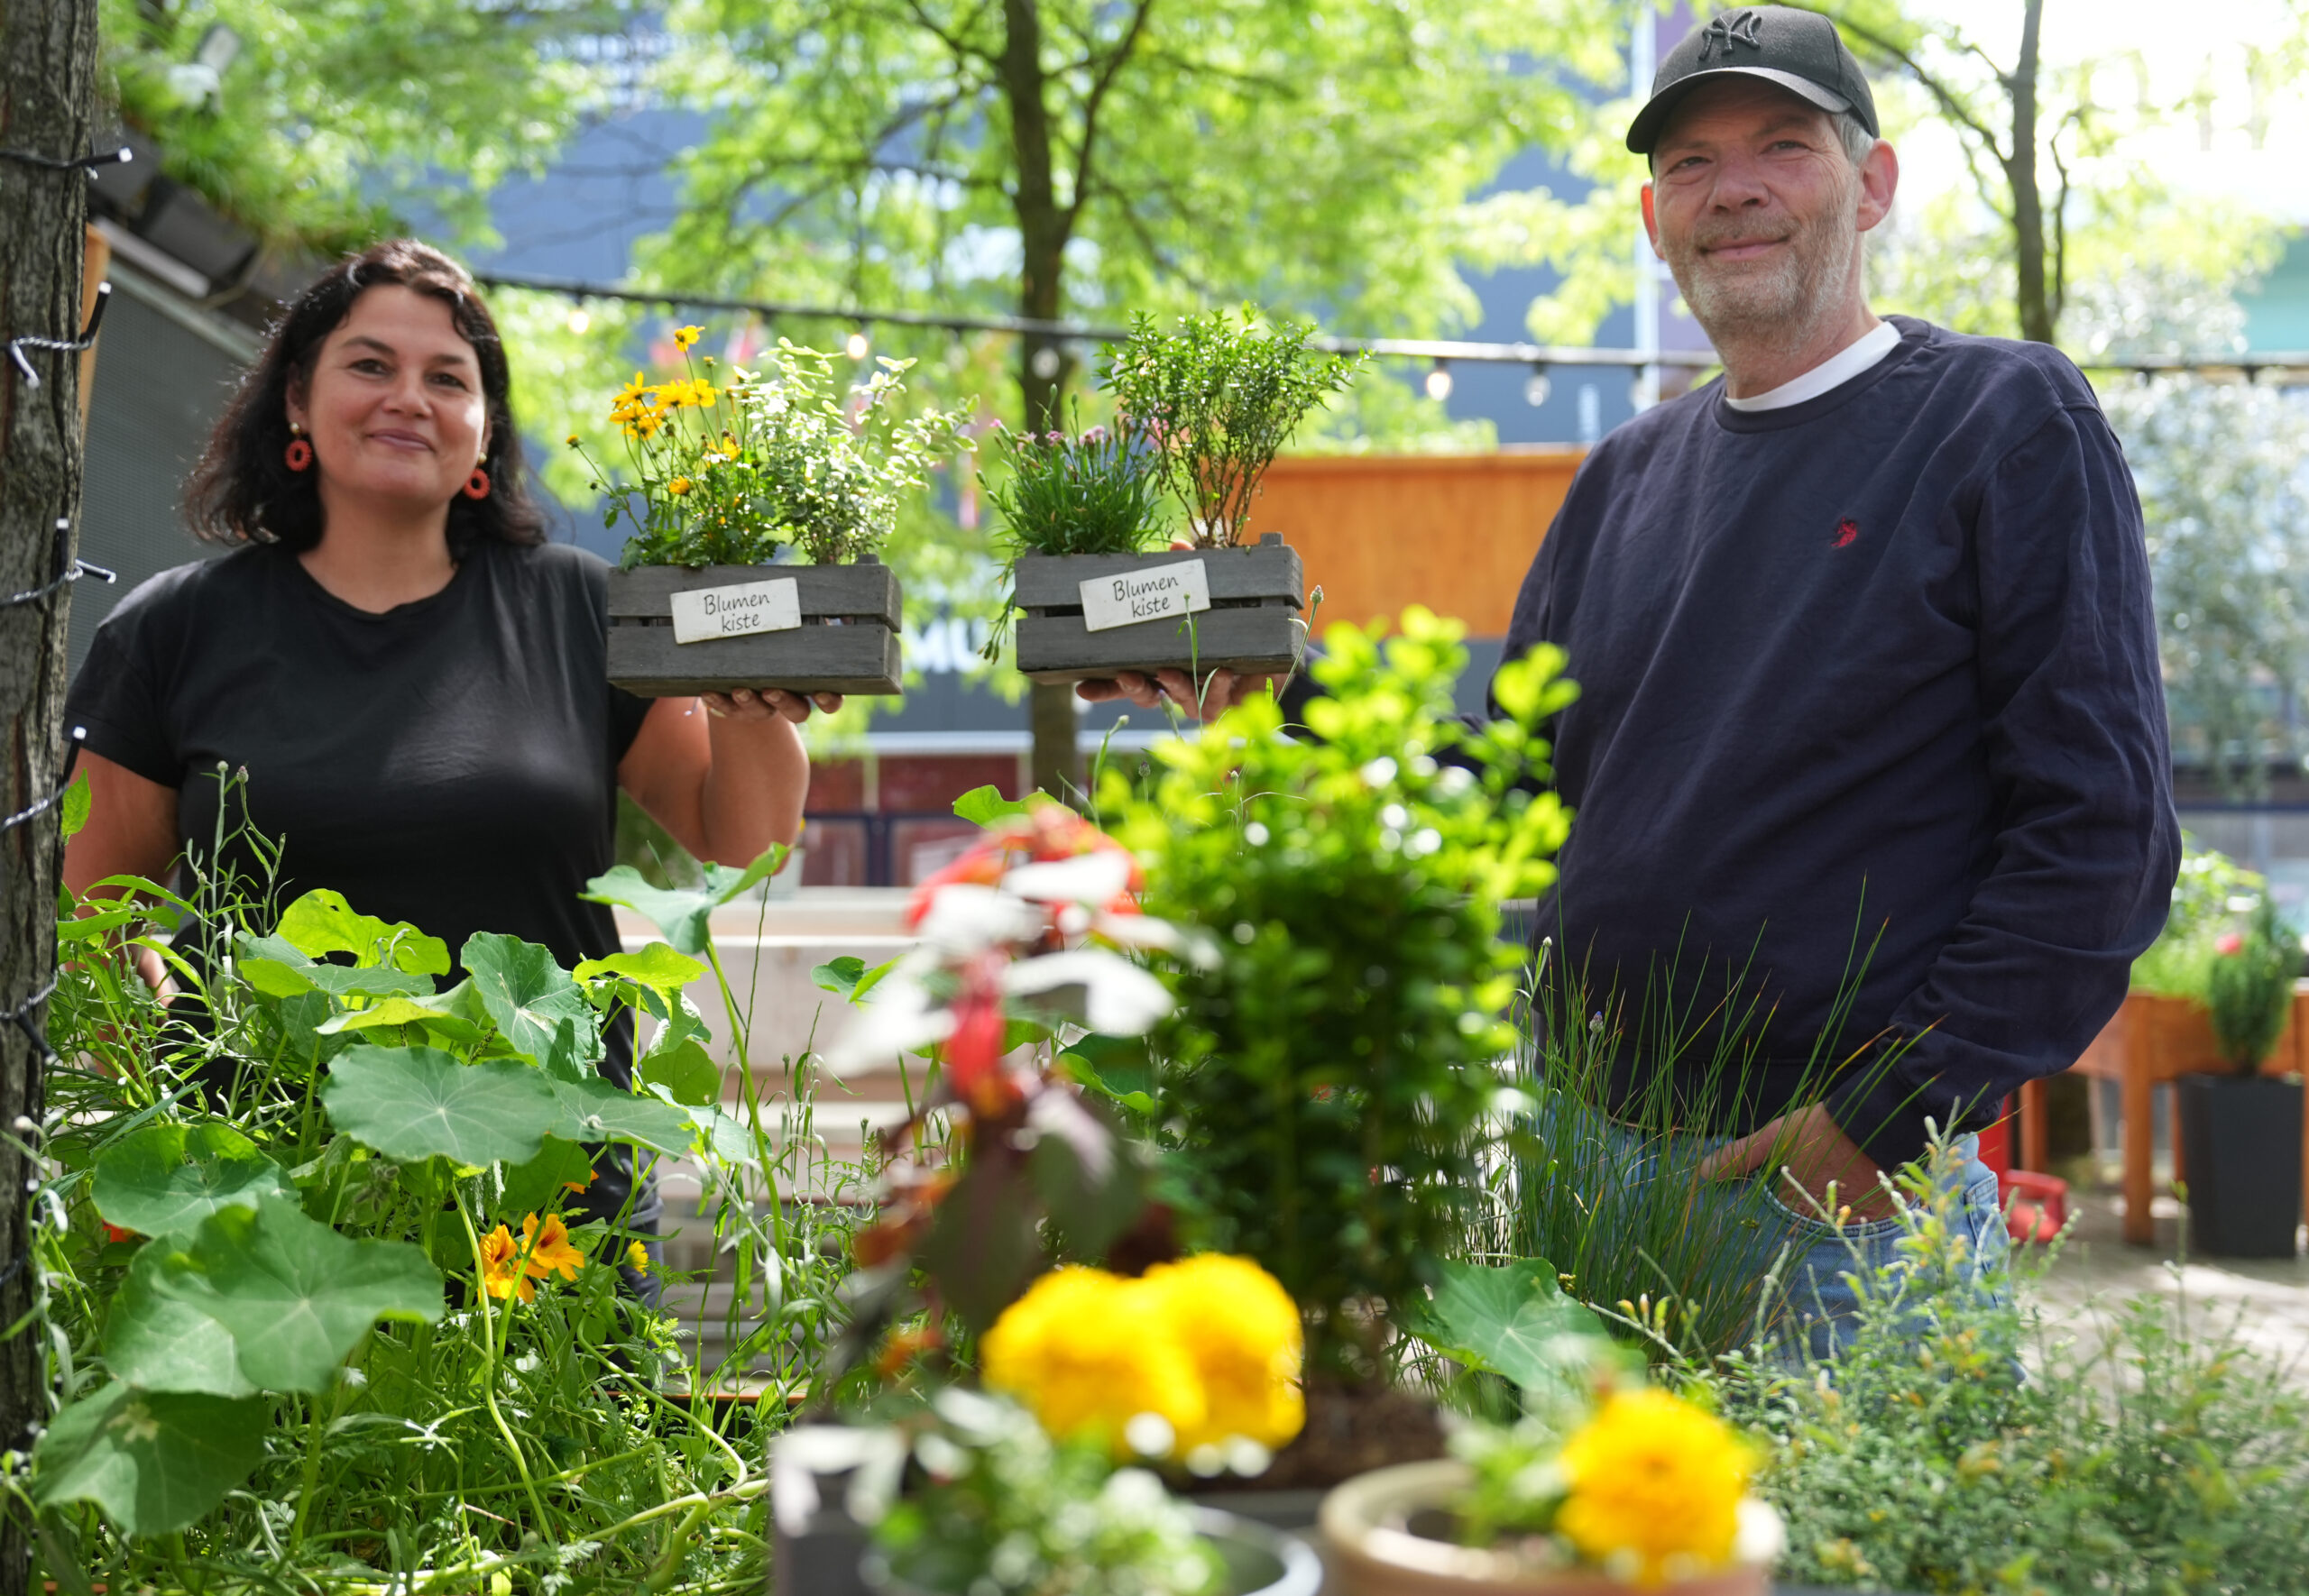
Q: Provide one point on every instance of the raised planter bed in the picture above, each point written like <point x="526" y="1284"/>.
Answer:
<point x="835" y="631"/>
<point x="1252" y="624"/>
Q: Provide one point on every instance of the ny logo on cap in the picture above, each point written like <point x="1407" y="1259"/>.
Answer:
<point x="1739" y="27"/>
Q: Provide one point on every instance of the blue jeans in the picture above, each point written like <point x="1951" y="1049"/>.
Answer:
<point x="1817" y="1259"/>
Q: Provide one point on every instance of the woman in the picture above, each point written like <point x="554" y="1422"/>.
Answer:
<point x="413" y="679"/>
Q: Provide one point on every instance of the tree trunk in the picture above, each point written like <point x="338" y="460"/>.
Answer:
<point x="2031" y="300"/>
<point x="48" y="74"/>
<point x="1043" y="227"/>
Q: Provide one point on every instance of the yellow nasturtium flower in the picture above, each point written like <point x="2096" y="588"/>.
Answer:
<point x="1655" y="1481"/>
<point x="546" y="1250"/>
<point x="501" y="1274"/>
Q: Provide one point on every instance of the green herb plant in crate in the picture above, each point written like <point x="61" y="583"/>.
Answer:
<point x="320" y="1311"/>
<point x="1201" y="409"/>
<point x="730" y="477"/>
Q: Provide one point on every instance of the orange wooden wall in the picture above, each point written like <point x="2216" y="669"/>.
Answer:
<point x="1453" y="532"/>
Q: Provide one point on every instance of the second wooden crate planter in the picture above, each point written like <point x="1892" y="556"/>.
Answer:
<point x="836" y="630"/>
<point x="1253" y="623"/>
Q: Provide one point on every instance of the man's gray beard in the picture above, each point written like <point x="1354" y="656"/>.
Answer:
<point x="1779" y="311"/>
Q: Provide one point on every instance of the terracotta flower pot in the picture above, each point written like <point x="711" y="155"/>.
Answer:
<point x="1368" y="1522"/>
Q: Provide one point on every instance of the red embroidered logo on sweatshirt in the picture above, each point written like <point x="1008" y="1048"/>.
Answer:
<point x="1847" y="532"/>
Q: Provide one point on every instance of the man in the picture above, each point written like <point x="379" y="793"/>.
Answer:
<point x="1870" y="723"/>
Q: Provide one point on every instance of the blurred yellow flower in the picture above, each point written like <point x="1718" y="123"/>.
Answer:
<point x="546" y="1250"/>
<point x="1210" y="1346"/>
<point x="685" y="336"/>
<point x="678" y="487"/>
<point x="572" y="440"/>
<point x="631" y="393"/>
<point x="1243" y="1331"/>
<point x="637" y="1257"/>
<point x="1089" y="1351"/>
<point x="1656" y="1480"/>
<point x="501" y="1266"/>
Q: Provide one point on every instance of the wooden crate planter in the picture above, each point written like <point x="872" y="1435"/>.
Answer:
<point x="846" y="642"/>
<point x="1253" y="625"/>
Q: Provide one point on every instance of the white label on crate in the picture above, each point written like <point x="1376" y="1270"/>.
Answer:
<point x="704" y="613"/>
<point x="1151" y="593"/>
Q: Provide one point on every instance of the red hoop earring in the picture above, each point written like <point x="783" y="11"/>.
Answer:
<point x="477" y="485"/>
<point x="299" y="454"/>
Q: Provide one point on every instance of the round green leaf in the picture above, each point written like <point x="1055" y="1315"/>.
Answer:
<point x="167" y="1179"/>
<point x="657" y="972"/>
<point x="322" y="922"/>
<point x="291" y="1296"/>
<point x="593" y="1110"/>
<point x="530" y="999"/>
<point x="155" y="1462"/>
<point x="413" y="1103"/>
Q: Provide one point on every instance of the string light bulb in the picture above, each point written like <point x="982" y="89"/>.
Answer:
<point x="1536" y="386"/>
<point x="579" y="320"/>
<point x="1439" y="383"/>
<point x="858" y="344"/>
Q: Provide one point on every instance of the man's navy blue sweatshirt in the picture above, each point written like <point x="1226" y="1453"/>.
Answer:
<point x="1881" y="663"/>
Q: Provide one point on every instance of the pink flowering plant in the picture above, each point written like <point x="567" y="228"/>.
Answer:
<point x="1097" y="490"/>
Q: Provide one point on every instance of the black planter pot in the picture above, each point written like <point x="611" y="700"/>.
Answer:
<point x="2242" y="1139"/>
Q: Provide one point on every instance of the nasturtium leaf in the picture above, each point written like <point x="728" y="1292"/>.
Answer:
<point x="169" y="1344"/>
<point x="164" y="1179"/>
<point x="529" y="997"/>
<point x="728" y="1140"/>
<point x="593" y="1110"/>
<point x="155" y="1462"/>
<point x="322" y="922"/>
<point x="656" y="971"/>
<point x="984" y="806"/>
<point x="543" y="1182"/>
<point x="683" y="915"/>
<point x="685" y="1072"/>
<point x="1511" y="1319"/>
<point x="849" y="977"/>
<point x="294" y="1296"/>
<point x="394" y="1012"/>
<point x="73" y="811"/>
<point x="414" y="1103"/>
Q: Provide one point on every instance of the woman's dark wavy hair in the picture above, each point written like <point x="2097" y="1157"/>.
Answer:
<point x="243" y="491"/>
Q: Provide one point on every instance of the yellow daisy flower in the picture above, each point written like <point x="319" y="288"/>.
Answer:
<point x="679" y="487"/>
<point x="685" y="336"/>
<point x="637" y="1256"/>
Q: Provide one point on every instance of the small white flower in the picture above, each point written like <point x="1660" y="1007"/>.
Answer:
<point x="1100" y="876"/>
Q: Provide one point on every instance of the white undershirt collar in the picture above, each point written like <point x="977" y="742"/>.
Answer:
<point x="1838" y="369"/>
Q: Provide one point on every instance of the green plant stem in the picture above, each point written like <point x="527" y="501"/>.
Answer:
<point x="490" y="1357"/>
<point x="313" y="1435"/>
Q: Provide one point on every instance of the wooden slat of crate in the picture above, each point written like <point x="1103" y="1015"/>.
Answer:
<point x="1267" y="571"/>
<point x="861" y="592"/>
<point x="1252" y="626"/>
<point x="860" y="656"/>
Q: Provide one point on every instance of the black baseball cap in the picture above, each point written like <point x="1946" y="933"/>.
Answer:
<point x="1799" y="50"/>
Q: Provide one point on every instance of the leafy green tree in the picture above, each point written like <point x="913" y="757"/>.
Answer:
<point x="331" y="118"/>
<point x="1055" y="157"/>
<point x="2062" y="194"/>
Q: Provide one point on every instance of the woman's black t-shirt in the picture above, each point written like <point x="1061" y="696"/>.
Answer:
<point x="451" y="762"/>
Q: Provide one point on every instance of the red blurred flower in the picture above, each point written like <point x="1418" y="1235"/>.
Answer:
<point x="2229" y="943"/>
<point x="113" y="1233"/>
